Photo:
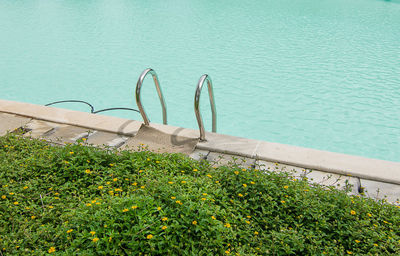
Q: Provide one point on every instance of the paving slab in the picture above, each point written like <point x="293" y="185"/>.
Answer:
<point x="67" y="134"/>
<point x="381" y="190"/>
<point x="331" y="179"/>
<point x="10" y="122"/>
<point x="296" y="172"/>
<point x="158" y="141"/>
<point x="219" y="159"/>
<point x="108" y="139"/>
<point x="38" y="128"/>
<point x="229" y="145"/>
<point x="199" y="154"/>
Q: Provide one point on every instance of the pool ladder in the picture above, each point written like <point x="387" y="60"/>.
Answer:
<point x="203" y="78"/>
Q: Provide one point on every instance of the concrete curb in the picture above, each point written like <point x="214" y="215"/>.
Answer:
<point x="366" y="168"/>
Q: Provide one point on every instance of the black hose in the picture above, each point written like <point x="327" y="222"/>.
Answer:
<point x="91" y="106"/>
<point x="107" y="109"/>
<point x="80" y="101"/>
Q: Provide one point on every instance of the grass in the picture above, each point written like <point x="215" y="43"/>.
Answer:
<point x="80" y="200"/>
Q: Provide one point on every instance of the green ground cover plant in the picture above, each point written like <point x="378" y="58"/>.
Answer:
<point x="81" y="200"/>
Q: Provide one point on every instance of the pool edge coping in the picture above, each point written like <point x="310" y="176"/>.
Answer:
<point x="338" y="163"/>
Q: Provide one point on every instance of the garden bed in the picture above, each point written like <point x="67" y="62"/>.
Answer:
<point x="83" y="200"/>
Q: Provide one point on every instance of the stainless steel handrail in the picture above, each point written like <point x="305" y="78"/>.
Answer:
<point x="203" y="78"/>
<point x="160" y="95"/>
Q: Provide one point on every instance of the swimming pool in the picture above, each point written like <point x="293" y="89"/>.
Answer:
<point x="321" y="74"/>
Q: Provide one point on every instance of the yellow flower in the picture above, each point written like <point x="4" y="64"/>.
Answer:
<point x="26" y="187"/>
<point x="252" y="182"/>
<point x="87" y="171"/>
<point x="217" y="181"/>
<point x="375" y="244"/>
<point x="203" y="198"/>
<point x="183" y="182"/>
<point x="125" y="210"/>
<point x="227" y="252"/>
<point x="100" y="187"/>
<point x="248" y="222"/>
<point x="170" y="182"/>
<point x="172" y="197"/>
<point x="178" y="202"/>
<point x="240" y="195"/>
<point x="353" y="212"/>
<point x="11" y="193"/>
<point x="244" y="185"/>
<point x="3" y="197"/>
<point x="194" y="222"/>
<point x="236" y="172"/>
<point x="88" y="204"/>
<point x="149" y="236"/>
<point x="115" y="179"/>
<point x="109" y="239"/>
<point x="208" y="175"/>
<point x="142" y="187"/>
<point x="227" y="225"/>
<point x="52" y="249"/>
<point x="111" y="165"/>
<point x="134" y="184"/>
<point x="98" y="203"/>
<point x="33" y="217"/>
<point x="255" y="233"/>
<point x="285" y="187"/>
<point x="204" y="194"/>
<point x="349" y="252"/>
<point x="16" y="203"/>
<point x="244" y="170"/>
<point x="71" y="153"/>
<point x="164" y="219"/>
<point x="213" y="217"/>
<point x="164" y="227"/>
<point x="357" y="241"/>
<point x="118" y="190"/>
<point x="248" y="216"/>
<point x="95" y="240"/>
<point x="69" y="231"/>
<point x="158" y="208"/>
<point x="92" y="232"/>
<point x="195" y="170"/>
<point x="108" y="183"/>
<point x="283" y="202"/>
<point x="134" y="207"/>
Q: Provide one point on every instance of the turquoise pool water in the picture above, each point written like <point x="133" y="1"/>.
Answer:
<point x="315" y="73"/>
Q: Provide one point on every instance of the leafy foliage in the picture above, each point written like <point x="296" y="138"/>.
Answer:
<point x="82" y="200"/>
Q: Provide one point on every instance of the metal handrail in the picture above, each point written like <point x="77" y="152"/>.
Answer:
<point x="160" y="95"/>
<point x="203" y="78"/>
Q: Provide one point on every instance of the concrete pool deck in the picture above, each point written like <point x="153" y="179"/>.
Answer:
<point x="378" y="178"/>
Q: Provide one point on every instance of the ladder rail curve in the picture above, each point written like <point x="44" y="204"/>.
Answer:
<point x="159" y="92"/>
<point x="199" y="86"/>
